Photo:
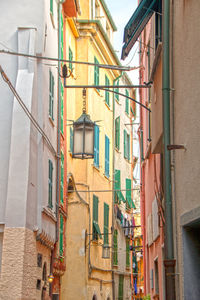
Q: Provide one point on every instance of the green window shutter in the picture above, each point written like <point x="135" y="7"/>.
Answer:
<point x="121" y="287"/>
<point x="70" y="58"/>
<point x="96" y="146"/>
<point x="117" y="90"/>
<point x="107" y="154"/>
<point x="62" y="108"/>
<point x="61" y="236"/>
<point x="50" y="184"/>
<point x="62" y="38"/>
<point x="106" y="223"/>
<point x="51" y="94"/>
<point x="95" y="216"/>
<point x="96" y="72"/>
<point x="51" y="6"/>
<point x="62" y="178"/>
<point x="115" y="248"/>
<point x="127" y="102"/>
<point x="117" y="133"/>
<point x="107" y="94"/>
<point x="125" y="144"/>
<point x="127" y="253"/>
<point x="71" y="139"/>
<point x="128" y="147"/>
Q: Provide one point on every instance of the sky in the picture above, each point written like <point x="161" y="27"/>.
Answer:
<point x="121" y="12"/>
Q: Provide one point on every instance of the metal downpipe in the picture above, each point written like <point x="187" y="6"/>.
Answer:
<point x="169" y="245"/>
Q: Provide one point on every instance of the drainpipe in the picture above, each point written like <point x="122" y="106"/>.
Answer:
<point x="169" y="261"/>
<point x="113" y="194"/>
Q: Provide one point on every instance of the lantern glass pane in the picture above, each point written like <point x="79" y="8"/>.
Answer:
<point x="78" y="140"/>
<point x="89" y="140"/>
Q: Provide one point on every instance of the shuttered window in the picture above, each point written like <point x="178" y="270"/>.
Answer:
<point x="96" y="146"/>
<point x="71" y="140"/>
<point x="50" y="184"/>
<point x="51" y="6"/>
<point x="117" y="133"/>
<point x="106" y="223"/>
<point x="61" y="107"/>
<point x="61" y="236"/>
<point x="96" y="230"/>
<point x="126" y="145"/>
<point x="128" y="192"/>
<point x="70" y="59"/>
<point x="121" y="287"/>
<point x="62" y="178"/>
<point x="107" y="156"/>
<point x="51" y="95"/>
<point x="115" y="248"/>
<point x="96" y="72"/>
<point x="127" y="102"/>
<point x="117" y="90"/>
<point x="107" y="94"/>
<point x="127" y="253"/>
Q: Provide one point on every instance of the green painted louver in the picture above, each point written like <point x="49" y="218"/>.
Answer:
<point x="50" y="185"/>
<point x="117" y="90"/>
<point x="62" y="37"/>
<point x="97" y="229"/>
<point x="51" y="95"/>
<point x="51" y="6"/>
<point x="62" y="178"/>
<point x="107" y="94"/>
<point x="106" y="223"/>
<point x="96" y="72"/>
<point x="70" y="58"/>
<point x="61" y="236"/>
<point x="107" y="156"/>
<point x="96" y="146"/>
<point x="117" y="133"/>
<point x="71" y="140"/>
<point x="127" y="253"/>
<point x="126" y="145"/>
<point x="115" y="248"/>
<point x="117" y="186"/>
<point x="127" y="102"/>
<point x="128" y="193"/>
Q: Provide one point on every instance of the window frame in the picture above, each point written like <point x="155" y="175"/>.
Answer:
<point x="50" y="184"/>
<point x="96" y="146"/>
<point x="51" y="95"/>
<point x="107" y="156"/>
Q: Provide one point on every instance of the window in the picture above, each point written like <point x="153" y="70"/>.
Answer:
<point x="106" y="223"/>
<point x="127" y="102"/>
<point x="96" y="230"/>
<point x="96" y="72"/>
<point x="156" y="276"/>
<point x="51" y="7"/>
<point x="121" y="287"/>
<point x="107" y="150"/>
<point x="107" y="94"/>
<point x="117" y="90"/>
<point x="61" y="236"/>
<point x="128" y="193"/>
<point x="127" y="253"/>
<point x="71" y="140"/>
<point x="61" y="177"/>
<point x="50" y="184"/>
<point x="50" y="181"/>
<point x="126" y="145"/>
<point x="61" y="107"/>
<point x="96" y="146"/>
<point x="70" y="59"/>
<point x="149" y="90"/>
<point x="115" y="248"/>
<point x="51" y="95"/>
<point x="158" y="24"/>
<point x="117" y="133"/>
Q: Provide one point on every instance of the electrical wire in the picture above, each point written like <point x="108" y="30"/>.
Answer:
<point x="102" y="191"/>
<point x="29" y="115"/>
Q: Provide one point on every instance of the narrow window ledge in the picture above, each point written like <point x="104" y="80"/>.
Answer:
<point x="48" y="212"/>
<point x="97" y="91"/>
<point x="52" y="19"/>
<point x="156" y="61"/>
<point x="96" y="167"/>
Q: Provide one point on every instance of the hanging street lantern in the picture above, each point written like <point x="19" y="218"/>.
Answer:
<point x="83" y="135"/>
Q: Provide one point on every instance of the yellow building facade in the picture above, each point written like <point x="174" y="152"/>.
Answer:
<point x="90" y="182"/>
